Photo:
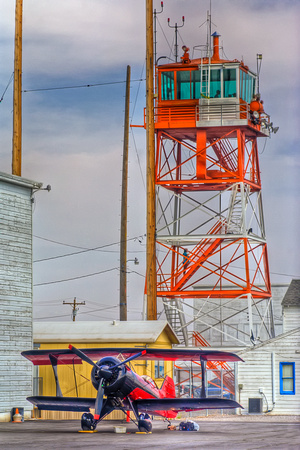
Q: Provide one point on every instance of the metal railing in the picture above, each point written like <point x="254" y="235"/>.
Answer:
<point x="212" y="110"/>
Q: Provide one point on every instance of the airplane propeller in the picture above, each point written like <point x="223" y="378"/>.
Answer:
<point x="104" y="373"/>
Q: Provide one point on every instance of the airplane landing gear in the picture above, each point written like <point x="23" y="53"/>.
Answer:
<point x="88" y="423"/>
<point x="144" y="423"/>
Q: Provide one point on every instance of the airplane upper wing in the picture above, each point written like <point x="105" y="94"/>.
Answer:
<point x="64" y="356"/>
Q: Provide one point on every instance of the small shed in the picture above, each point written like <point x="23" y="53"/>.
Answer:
<point x="76" y="380"/>
<point x="291" y="306"/>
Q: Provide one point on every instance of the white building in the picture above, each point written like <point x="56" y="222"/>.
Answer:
<point x="270" y="375"/>
<point x="15" y="292"/>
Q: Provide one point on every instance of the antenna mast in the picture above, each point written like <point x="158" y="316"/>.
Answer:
<point x="154" y="24"/>
<point x="176" y="33"/>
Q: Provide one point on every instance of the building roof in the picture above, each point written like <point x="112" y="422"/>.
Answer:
<point x="110" y="331"/>
<point x="19" y="181"/>
<point x="292" y="295"/>
<point x="271" y="341"/>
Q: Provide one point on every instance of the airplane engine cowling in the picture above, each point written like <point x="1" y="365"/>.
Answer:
<point x="114" y="381"/>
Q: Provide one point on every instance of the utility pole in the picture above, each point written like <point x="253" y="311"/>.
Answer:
<point x="123" y="238"/>
<point x="74" y="309"/>
<point x="151" y="250"/>
<point x="17" y="108"/>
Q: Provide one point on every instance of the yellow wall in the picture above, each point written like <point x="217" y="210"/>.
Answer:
<point x="83" y="374"/>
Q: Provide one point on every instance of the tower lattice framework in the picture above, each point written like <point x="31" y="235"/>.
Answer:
<point x="211" y="241"/>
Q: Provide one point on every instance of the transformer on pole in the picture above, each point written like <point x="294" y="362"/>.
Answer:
<point x="210" y="232"/>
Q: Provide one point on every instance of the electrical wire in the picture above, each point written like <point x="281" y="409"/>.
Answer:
<point x="65" y="315"/>
<point x="80" y="86"/>
<point x="162" y="30"/>
<point x="75" y="278"/>
<point x="84" y="250"/>
<point x="131" y="128"/>
<point x="7" y="86"/>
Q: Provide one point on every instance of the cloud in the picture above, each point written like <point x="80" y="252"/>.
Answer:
<point x="72" y="139"/>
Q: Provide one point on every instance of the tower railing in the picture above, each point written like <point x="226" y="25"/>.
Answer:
<point x="210" y="112"/>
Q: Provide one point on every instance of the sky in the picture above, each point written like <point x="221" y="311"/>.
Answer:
<point x="73" y="138"/>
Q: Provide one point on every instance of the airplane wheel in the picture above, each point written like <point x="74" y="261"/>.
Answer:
<point x="145" y="423"/>
<point x="87" y="422"/>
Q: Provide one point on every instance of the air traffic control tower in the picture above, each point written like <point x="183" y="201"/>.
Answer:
<point x="211" y="241"/>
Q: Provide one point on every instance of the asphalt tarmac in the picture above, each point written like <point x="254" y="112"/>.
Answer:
<point x="213" y="434"/>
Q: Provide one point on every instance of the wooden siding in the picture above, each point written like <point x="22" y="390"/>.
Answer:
<point x="15" y="295"/>
<point x="256" y="373"/>
<point x="291" y="317"/>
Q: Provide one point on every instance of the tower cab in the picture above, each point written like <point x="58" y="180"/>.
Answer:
<point x="209" y="92"/>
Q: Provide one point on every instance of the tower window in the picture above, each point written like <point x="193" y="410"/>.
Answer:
<point x="215" y="83"/>
<point x="167" y="85"/>
<point x="229" y="82"/>
<point x="183" y="85"/>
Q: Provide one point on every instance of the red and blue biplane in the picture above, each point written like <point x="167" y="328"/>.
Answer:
<point x="119" y="387"/>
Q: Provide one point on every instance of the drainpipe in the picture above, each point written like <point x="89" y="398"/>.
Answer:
<point x="273" y="378"/>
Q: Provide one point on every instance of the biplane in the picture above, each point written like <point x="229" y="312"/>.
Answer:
<point x="119" y="387"/>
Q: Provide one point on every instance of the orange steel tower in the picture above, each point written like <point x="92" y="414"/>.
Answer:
<point x="210" y="236"/>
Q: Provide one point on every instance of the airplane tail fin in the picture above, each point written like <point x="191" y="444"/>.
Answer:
<point x="168" y="388"/>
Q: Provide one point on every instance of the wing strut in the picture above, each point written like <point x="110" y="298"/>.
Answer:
<point x="53" y="360"/>
<point x="203" y="375"/>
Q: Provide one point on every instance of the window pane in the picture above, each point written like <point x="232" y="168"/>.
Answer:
<point x="167" y="85"/>
<point x="195" y="84"/>
<point x="288" y="385"/>
<point x="242" y="85"/>
<point x="215" y="83"/>
<point x="229" y="78"/>
<point x="287" y="371"/>
<point x="159" y="371"/>
<point x="183" y="85"/>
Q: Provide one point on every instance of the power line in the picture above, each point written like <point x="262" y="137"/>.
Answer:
<point x="7" y="86"/>
<point x="59" y="88"/>
<point x="75" y="278"/>
<point x="84" y="250"/>
<point x="67" y="315"/>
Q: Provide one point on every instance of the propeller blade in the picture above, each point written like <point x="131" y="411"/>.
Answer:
<point x="143" y="352"/>
<point x="99" y="400"/>
<point x="82" y="355"/>
<point x="203" y="375"/>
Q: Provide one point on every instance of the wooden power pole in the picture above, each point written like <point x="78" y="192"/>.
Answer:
<point x="74" y="309"/>
<point x="17" y="109"/>
<point x="123" y="237"/>
<point x="151" y="251"/>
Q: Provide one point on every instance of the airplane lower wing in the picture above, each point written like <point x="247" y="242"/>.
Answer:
<point x="184" y="404"/>
<point x="84" y="404"/>
<point x="79" y="404"/>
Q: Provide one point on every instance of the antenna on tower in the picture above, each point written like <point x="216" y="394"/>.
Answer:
<point x="208" y="37"/>
<point x="154" y="23"/>
<point x="176" y="26"/>
<point x="258" y="67"/>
